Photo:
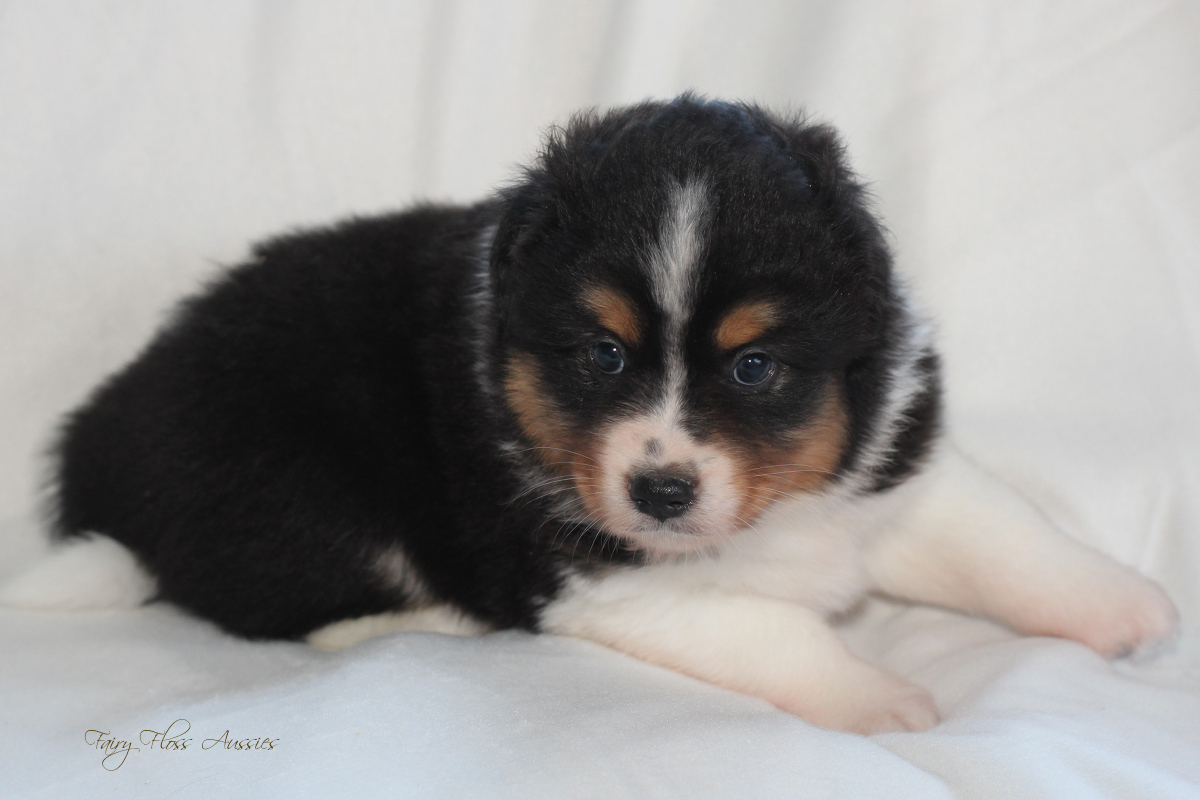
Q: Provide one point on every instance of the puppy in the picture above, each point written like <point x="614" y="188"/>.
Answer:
<point x="664" y="392"/>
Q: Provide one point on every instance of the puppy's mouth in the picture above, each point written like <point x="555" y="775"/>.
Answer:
<point x="665" y="495"/>
<point x="669" y="507"/>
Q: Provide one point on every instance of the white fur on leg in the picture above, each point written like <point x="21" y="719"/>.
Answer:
<point x="964" y="540"/>
<point x="431" y="619"/>
<point x="764" y="647"/>
<point x="91" y="573"/>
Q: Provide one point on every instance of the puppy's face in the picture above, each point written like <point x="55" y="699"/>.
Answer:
<point x="682" y="301"/>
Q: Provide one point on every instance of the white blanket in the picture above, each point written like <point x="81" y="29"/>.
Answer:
<point x="1038" y="164"/>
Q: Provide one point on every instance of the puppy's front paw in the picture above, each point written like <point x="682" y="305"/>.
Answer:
<point x="901" y="706"/>
<point x="1133" y="617"/>
<point x="870" y="701"/>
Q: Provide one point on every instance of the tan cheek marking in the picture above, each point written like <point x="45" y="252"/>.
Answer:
<point x="772" y="474"/>
<point x="560" y="450"/>
<point x="821" y="445"/>
<point x="744" y="324"/>
<point x="535" y="412"/>
<point x="616" y="313"/>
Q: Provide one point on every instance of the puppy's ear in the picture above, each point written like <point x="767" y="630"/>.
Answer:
<point x="554" y="188"/>
<point x="824" y="156"/>
<point x="815" y="150"/>
<point x="529" y="211"/>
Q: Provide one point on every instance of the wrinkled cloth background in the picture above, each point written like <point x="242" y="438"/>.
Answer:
<point x="1037" y="162"/>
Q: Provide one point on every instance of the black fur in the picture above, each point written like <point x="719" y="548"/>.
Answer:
<point x="341" y="393"/>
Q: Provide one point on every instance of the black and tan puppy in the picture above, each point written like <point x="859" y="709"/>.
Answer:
<point x="663" y="392"/>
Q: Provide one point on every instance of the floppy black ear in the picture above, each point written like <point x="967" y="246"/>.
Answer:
<point x="528" y="213"/>
<point x="555" y="187"/>
<point x="823" y="155"/>
<point x="815" y="150"/>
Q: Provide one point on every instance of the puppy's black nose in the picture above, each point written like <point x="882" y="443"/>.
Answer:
<point x="661" y="496"/>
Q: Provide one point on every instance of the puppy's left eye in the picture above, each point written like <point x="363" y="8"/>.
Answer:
<point x="607" y="357"/>
<point x="753" y="369"/>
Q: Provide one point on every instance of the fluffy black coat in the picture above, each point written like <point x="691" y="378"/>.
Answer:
<point x="338" y="394"/>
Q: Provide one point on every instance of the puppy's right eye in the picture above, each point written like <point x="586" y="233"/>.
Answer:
<point x="753" y="369"/>
<point x="607" y="358"/>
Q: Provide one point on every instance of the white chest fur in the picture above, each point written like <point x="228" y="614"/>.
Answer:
<point x="807" y="552"/>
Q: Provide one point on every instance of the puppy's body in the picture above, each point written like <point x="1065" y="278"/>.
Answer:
<point x="664" y="393"/>
<point x="307" y="443"/>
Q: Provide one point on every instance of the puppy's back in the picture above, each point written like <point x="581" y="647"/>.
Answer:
<point x="268" y="435"/>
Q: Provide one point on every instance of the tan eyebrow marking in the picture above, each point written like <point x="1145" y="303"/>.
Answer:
<point x="615" y="312"/>
<point x="745" y="323"/>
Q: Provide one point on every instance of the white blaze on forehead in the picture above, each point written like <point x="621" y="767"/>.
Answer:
<point x="674" y="265"/>
<point x="675" y="260"/>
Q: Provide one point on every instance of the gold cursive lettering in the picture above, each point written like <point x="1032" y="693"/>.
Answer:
<point x="174" y="737"/>
<point x="165" y="740"/>
<point x="115" y="750"/>
<point x="260" y="743"/>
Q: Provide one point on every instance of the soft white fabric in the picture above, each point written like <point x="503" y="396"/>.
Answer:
<point x="1038" y="163"/>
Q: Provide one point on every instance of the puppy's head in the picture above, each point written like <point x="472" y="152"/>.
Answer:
<point x="694" y="305"/>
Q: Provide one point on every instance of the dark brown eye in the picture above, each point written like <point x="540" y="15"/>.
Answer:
<point x="753" y="369"/>
<point x="607" y="358"/>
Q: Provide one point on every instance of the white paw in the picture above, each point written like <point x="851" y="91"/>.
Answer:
<point x="87" y="573"/>
<point x="1133" y="616"/>
<point x="869" y="701"/>
<point x="903" y="707"/>
<point x="430" y="619"/>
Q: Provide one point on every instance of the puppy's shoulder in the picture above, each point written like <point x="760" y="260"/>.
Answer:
<point x="342" y="289"/>
<point x="422" y="232"/>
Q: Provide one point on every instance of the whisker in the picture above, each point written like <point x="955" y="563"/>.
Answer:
<point x="540" y="490"/>
<point x="532" y="496"/>
<point x="547" y="482"/>
<point x="782" y="469"/>
<point x="558" y="449"/>
<point x="788" y="495"/>
<point x="791" y="471"/>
